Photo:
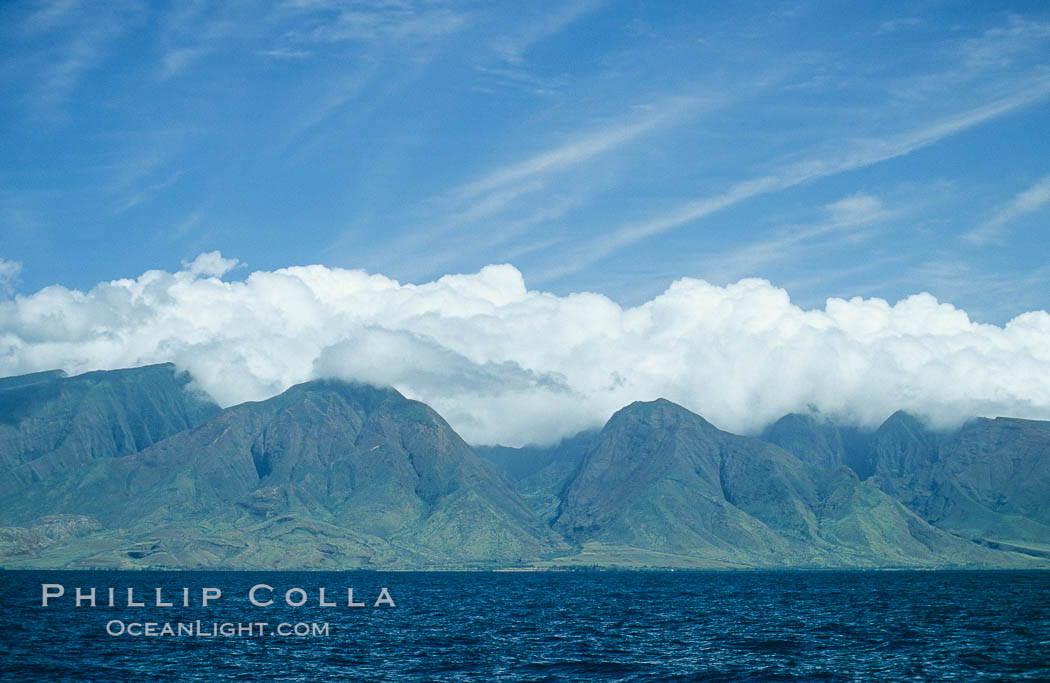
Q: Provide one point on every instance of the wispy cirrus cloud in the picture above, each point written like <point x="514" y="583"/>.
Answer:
<point x="285" y="53"/>
<point x="494" y="79"/>
<point x="84" y="46"/>
<point x="507" y="193"/>
<point x="1001" y="45"/>
<point x="859" y="154"/>
<point x="337" y="22"/>
<point x="843" y="219"/>
<point x="177" y="60"/>
<point x="49" y="16"/>
<point x="390" y="24"/>
<point x="581" y="147"/>
<point x="144" y="194"/>
<point x="9" y="273"/>
<point x="1025" y="202"/>
<point x="364" y="52"/>
<point x="183" y="227"/>
<point x="899" y="24"/>
<point x="192" y="31"/>
<point x="550" y="22"/>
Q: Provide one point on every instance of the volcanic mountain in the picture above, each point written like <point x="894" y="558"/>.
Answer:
<point x="133" y="468"/>
<point x="661" y="485"/>
<point x="988" y="481"/>
<point x="52" y="424"/>
<point x="327" y="474"/>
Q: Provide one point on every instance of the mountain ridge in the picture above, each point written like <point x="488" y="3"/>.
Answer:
<point x="357" y="458"/>
<point x="333" y="474"/>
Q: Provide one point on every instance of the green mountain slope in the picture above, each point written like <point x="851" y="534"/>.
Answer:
<point x="540" y="474"/>
<point x="662" y="480"/>
<point x="326" y="474"/>
<point x="989" y="481"/>
<point x="51" y="424"/>
<point x="131" y="468"/>
<point x="822" y="443"/>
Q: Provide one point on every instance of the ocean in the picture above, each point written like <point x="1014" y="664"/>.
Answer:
<point x="527" y="626"/>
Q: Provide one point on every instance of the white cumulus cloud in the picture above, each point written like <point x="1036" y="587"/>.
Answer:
<point x="506" y="364"/>
<point x="211" y="263"/>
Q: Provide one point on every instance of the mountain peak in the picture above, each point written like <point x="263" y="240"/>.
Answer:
<point x="368" y="396"/>
<point x="51" y="424"/>
<point x="657" y="414"/>
<point x="815" y="442"/>
<point x="129" y="468"/>
<point x="31" y="378"/>
<point x="902" y="419"/>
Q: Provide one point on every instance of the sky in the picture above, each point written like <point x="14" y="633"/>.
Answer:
<point x="816" y="161"/>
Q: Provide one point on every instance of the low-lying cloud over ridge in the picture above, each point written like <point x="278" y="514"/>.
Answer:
<point x="508" y="365"/>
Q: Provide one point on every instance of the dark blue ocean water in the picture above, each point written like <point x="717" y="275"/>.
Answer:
<point x="609" y="626"/>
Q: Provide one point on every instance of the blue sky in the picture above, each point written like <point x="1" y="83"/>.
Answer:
<point x="835" y="149"/>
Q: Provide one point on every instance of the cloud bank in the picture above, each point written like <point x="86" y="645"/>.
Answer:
<point x="505" y="364"/>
